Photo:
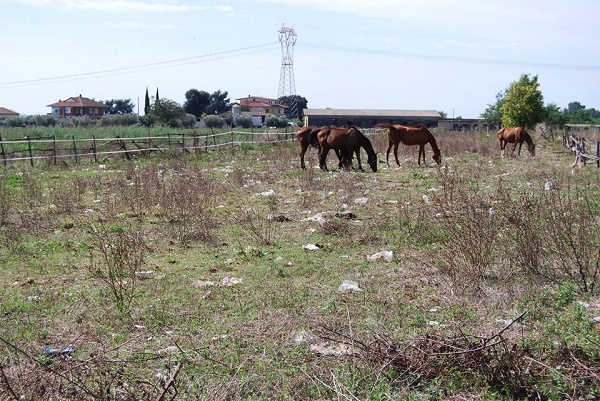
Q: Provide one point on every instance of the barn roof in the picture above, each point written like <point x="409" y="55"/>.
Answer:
<point x="371" y="113"/>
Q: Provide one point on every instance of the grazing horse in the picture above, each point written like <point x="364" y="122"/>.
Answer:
<point x="347" y="141"/>
<point x="307" y="136"/>
<point x="417" y="135"/>
<point x="517" y="136"/>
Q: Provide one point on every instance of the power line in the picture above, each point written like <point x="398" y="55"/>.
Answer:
<point x="463" y="59"/>
<point x="148" y="66"/>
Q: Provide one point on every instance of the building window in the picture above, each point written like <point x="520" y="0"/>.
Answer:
<point x="67" y="110"/>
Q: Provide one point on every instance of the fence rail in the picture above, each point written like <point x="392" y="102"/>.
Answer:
<point x="51" y="150"/>
<point x="577" y="137"/>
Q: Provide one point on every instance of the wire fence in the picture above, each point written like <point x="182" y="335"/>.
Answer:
<point x="49" y="150"/>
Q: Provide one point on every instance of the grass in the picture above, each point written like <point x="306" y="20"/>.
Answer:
<point x="190" y="273"/>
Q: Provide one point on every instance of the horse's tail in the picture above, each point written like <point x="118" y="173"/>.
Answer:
<point x="312" y="137"/>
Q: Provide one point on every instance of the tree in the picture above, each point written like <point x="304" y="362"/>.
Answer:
<point x="443" y="114"/>
<point x="576" y="113"/>
<point x="156" y="102"/>
<point x="523" y="104"/>
<point x="196" y="102"/>
<point x="147" y="102"/>
<point x="492" y="114"/>
<point x="297" y="103"/>
<point x="554" y="115"/>
<point x="168" y="112"/>
<point x="119" y="106"/>
<point x="219" y="103"/>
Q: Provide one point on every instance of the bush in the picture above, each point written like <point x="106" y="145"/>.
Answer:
<point x="42" y="121"/>
<point x="148" y="120"/>
<point x="275" y="121"/>
<point x="121" y="120"/>
<point x="83" y="121"/>
<point x="243" y="121"/>
<point x="213" y="121"/>
<point x="14" y="122"/>
<point x="188" y="121"/>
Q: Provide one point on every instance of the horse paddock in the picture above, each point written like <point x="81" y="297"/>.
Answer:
<point x="236" y="274"/>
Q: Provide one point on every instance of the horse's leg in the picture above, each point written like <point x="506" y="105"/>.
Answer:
<point x="421" y="152"/>
<point x="520" y="144"/>
<point x="340" y="157"/>
<point x="302" y="152"/>
<point x="502" y="146"/>
<point x="513" y="149"/>
<point x="322" y="158"/>
<point x="387" y="155"/>
<point x="358" y="159"/>
<point x="396" y="153"/>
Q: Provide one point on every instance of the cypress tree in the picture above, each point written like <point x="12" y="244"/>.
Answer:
<point x="147" y="103"/>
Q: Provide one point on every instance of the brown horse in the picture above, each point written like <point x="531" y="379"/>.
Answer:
<point x="307" y="136"/>
<point x="346" y="140"/>
<point x="517" y="136"/>
<point x="417" y="135"/>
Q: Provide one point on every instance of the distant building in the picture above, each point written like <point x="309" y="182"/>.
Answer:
<point x="6" y="113"/>
<point x="78" y="106"/>
<point x="465" y="124"/>
<point x="367" y="118"/>
<point x="258" y="108"/>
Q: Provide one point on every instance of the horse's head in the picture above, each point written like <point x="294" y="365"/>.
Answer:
<point x="532" y="149"/>
<point x="372" y="162"/>
<point x="437" y="156"/>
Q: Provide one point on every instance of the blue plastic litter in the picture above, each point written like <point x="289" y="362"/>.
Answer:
<point x="54" y="352"/>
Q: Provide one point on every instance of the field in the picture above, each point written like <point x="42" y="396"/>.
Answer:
<point x="235" y="275"/>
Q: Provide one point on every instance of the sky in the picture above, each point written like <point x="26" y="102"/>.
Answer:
<point x="446" y="55"/>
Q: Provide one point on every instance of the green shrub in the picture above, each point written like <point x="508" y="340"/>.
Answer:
<point x="243" y="121"/>
<point x="213" y="121"/>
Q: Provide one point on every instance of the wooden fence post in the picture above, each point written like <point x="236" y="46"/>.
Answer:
<point x="75" y="149"/>
<point x="598" y="154"/>
<point x="30" y="152"/>
<point x="2" y="151"/>
<point x="54" y="150"/>
<point x="231" y="141"/>
<point x="94" y="148"/>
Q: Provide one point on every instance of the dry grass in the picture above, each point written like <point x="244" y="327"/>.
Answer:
<point x="191" y="277"/>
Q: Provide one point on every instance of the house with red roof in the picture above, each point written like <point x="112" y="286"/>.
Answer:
<point x="259" y="107"/>
<point x="78" y="106"/>
<point x="6" y="113"/>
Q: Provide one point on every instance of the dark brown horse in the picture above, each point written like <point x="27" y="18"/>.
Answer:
<point x="346" y="140"/>
<point x="307" y="136"/>
<point x="410" y="136"/>
<point x="517" y="136"/>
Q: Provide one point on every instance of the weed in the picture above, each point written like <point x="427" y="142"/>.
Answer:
<point x="118" y="255"/>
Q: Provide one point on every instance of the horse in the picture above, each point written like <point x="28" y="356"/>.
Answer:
<point x="517" y="136"/>
<point x="307" y="136"/>
<point x="417" y="135"/>
<point x="346" y="140"/>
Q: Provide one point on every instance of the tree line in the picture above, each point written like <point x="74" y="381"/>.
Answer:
<point x="522" y="105"/>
